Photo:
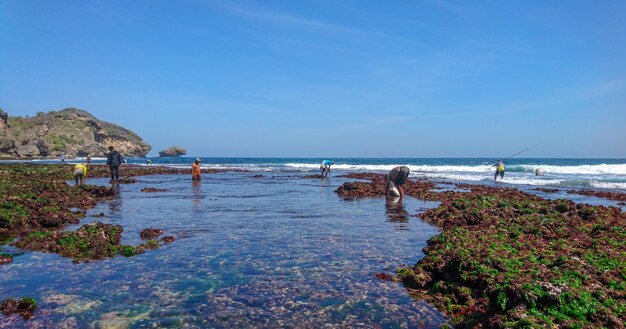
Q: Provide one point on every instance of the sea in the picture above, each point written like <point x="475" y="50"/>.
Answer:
<point x="609" y="174"/>
<point x="265" y="247"/>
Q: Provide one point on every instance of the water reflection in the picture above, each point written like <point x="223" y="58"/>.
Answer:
<point x="116" y="204"/>
<point x="396" y="213"/>
<point x="196" y="190"/>
<point x="266" y="253"/>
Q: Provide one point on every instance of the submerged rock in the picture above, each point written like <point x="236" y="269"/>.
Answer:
<point x="152" y="189"/>
<point x="150" y="233"/>
<point x="92" y="241"/>
<point x="617" y="196"/>
<point x="25" y="307"/>
<point x="5" y="259"/>
<point x="168" y="239"/>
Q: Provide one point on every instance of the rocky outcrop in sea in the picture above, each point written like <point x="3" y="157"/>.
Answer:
<point x="173" y="151"/>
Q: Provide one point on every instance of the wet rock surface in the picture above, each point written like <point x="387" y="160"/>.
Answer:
<point x="506" y="258"/>
<point x="152" y="189"/>
<point x="5" y="259"/>
<point x="36" y="196"/>
<point x="547" y="190"/>
<point x="312" y="176"/>
<point x="601" y="194"/>
<point x="37" y="203"/>
<point x="150" y="233"/>
<point x="24" y="307"/>
<point x="91" y="241"/>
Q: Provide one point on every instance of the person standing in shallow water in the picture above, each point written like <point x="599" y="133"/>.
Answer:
<point x="325" y="167"/>
<point x="80" y="172"/>
<point x="114" y="160"/>
<point x="499" y="170"/>
<point x="195" y="170"/>
<point x="395" y="179"/>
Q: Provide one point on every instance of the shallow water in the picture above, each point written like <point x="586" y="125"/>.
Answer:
<point x="273" y="251"/>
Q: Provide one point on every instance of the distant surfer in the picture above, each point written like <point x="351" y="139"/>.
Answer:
<point x="394" y="181"/>
<point x="325" y="167"/>
<point x="195" y="170"/>
<point x="499" y="170"/>
<point x="538" y="172"/>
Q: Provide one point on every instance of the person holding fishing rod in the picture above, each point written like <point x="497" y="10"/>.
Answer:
<point x="499" y="170"/>
<point x="500" y="165"/>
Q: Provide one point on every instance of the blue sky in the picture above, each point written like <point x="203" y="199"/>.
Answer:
<point x="329" y="78"/>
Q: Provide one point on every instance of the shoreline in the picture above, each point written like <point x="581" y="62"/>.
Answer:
<point x="459" y="274"/>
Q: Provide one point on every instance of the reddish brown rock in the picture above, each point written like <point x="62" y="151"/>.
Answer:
<point x="168" y="239"/>
<point x="150" y="233"/>
<point x="152" y="189"/>
<point x="25" y="307"/>
<point x="5" y="259"/>
<point x="617" y="196"/>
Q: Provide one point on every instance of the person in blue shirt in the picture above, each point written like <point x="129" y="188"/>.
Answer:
<point x="325" y="167"/>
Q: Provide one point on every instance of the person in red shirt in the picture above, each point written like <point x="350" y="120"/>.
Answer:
<point x="195" y="170"/>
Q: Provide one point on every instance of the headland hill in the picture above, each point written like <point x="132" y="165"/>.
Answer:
<point x="70" y="132"/>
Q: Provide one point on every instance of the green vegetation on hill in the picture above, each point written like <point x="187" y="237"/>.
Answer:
<point x="70" y="132"/>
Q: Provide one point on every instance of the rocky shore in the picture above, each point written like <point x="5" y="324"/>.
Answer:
<point x="504" y="258"/>
<point x="509" y="259"/>
<point x="37" y="203"/>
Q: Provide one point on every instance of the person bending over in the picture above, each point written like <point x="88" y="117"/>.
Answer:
<point x="325" y="167"/>
<point x="80" y="172"/>
<point x="395" y="179"/>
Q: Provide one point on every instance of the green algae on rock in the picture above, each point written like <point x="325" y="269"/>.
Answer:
<point x="37" y="196"/>
<point x="511" y="259"/>
<point x="92" y="241"/>
<point x="25" y="307"/>
<point x="507" y="259"/>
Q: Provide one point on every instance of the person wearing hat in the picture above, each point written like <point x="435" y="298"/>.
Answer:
<point x="325" y="167"/>
<point x="195" y="170"/>
<point x="499" y="170"/>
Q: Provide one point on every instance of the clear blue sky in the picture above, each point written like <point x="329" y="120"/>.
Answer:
<point x="329" y="78"/>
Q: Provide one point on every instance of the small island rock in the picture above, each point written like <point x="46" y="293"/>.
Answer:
<point x="173" y="151"/>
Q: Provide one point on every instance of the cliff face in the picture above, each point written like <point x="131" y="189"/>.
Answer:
<point x="70" y="132"/>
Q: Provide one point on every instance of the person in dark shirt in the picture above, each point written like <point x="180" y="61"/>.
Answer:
<point x="395" y="179"/>
<point x="114" y="160"/>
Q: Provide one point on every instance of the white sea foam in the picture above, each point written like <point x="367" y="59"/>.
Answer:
<point x="387" y="167"/>
<point x="608" y="185"/>
<point x="507" y="179"/>
<point x="601" y="169"/>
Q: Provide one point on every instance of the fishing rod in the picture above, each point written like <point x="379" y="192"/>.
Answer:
<point x="522" y="151"/>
